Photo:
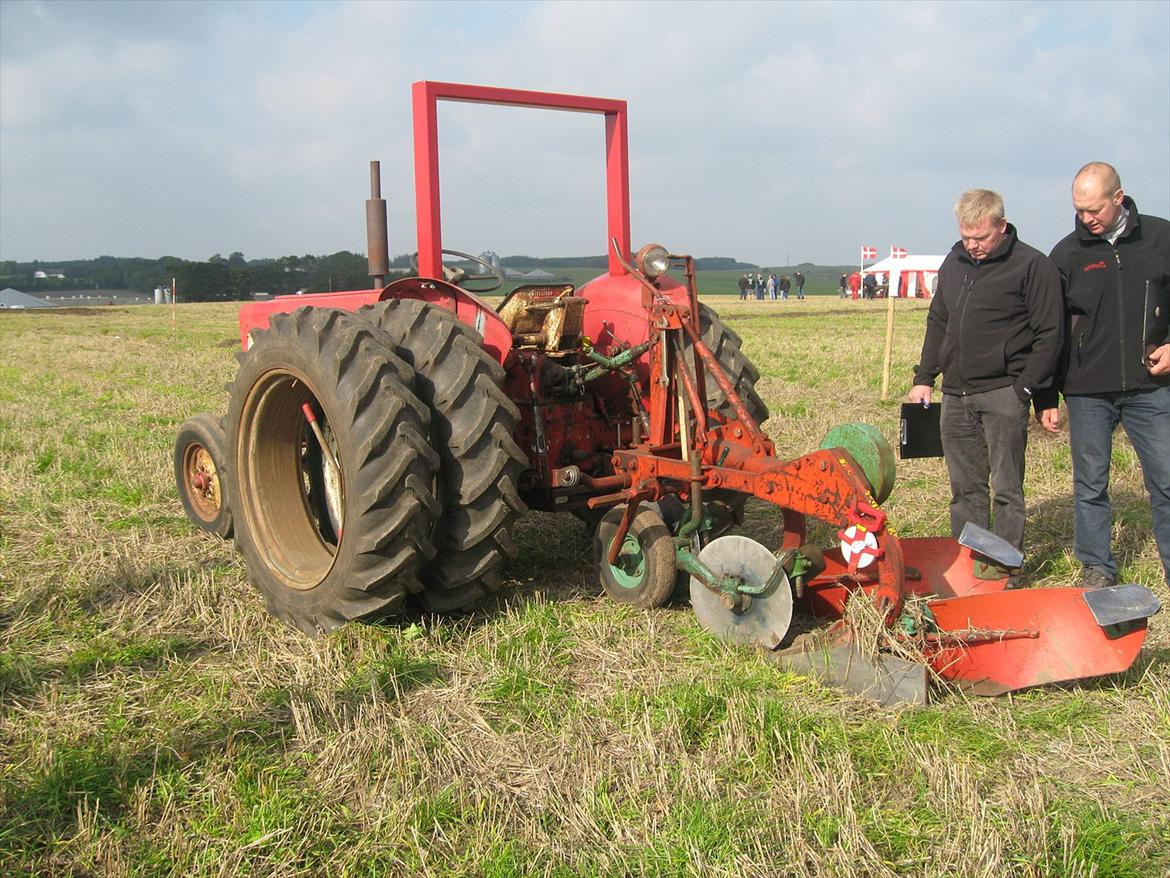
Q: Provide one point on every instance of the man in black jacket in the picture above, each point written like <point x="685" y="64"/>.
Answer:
<point x="1116" y="271"/>
<point x="869" y="287"/>
<point x="994" y="332"/>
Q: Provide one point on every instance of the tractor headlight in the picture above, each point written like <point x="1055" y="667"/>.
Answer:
<point x="653" y="260"/>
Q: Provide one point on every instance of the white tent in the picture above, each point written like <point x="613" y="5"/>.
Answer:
<point x="10" y="298"/>
<point x="912" y="277"/>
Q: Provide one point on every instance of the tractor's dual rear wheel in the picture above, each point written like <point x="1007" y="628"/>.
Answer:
<point x="472" y="426"/>
<point x="333" y="471"/>
<point x="201" y="476"/>
<point x="727" y="347"/>
<point x="728" y="350"/>
<point x="644" y="573"/>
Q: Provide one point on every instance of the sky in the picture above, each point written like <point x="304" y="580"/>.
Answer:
<point x="776" y="133"/>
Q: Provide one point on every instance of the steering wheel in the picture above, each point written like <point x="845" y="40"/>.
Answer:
<point x="461" y="278"/>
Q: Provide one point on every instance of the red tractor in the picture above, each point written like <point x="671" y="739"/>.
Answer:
<point x="380" y="444"/>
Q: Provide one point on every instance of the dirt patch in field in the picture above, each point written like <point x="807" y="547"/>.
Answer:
<point x="849" y="312"/>
<point x="106" y="311"/>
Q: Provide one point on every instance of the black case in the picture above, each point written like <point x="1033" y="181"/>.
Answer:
<point x="919" y="435"/>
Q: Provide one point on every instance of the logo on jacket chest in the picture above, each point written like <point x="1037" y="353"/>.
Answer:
<point x="1094" y="266"/>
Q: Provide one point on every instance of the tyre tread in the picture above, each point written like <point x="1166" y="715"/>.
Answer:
<point x="473" y="424"/>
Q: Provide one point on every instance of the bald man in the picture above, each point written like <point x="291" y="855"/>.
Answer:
<point x="1115" y="268"/>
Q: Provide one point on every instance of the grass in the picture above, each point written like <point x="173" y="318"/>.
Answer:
<point x="154" y="720"/>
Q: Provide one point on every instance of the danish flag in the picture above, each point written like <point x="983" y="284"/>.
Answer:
<point x="868" y="253"/>
<point x="898" y="253"/>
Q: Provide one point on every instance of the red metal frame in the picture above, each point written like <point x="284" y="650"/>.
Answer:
<point x="429" y="285"/>
<point x="425" y="98"/>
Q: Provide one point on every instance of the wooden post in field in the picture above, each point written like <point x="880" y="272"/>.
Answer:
<point x="889" y="346"/>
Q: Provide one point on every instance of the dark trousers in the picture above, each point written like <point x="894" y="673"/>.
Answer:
<point x="984" y="436"/>
<point x="1092" y="418"/>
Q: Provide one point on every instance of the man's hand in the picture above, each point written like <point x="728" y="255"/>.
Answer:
<point x="919" y="393"/>
<point x="1049" y="419"/>
<point x="1158" y="362"/>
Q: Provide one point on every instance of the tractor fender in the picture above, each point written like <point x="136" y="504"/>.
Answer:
<point x="256" y="315"/>
<point x="468" y="307"/>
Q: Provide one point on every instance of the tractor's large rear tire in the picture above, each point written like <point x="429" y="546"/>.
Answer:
<point x="473" y="424"/>
<point x="327" y="545"/>
<point x="728" y="350"/>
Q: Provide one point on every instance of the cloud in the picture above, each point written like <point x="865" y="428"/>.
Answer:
<point x="756" y="129"/>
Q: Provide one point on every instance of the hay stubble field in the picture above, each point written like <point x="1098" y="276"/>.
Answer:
<point x="154" y="720"/>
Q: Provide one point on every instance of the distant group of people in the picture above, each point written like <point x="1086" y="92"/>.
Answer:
<point x="868" y="287"/>
<point x="1011" y="329"/>
<point x="758" y="287"/>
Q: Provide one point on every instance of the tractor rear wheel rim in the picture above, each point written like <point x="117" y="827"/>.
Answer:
<point x="278" y="470"/>
<point x="203" y="479"/>
<point x="630" y="570"/>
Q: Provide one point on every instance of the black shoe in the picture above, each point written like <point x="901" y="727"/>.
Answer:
<point x="1095" y="577"/>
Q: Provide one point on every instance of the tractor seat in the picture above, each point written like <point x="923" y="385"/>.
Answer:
<point x="544" y="317"/>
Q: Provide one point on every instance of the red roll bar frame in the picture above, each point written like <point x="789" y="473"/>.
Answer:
<point x="425" y="98"/>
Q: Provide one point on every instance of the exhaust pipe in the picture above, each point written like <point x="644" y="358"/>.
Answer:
<point x="377" y="240"/>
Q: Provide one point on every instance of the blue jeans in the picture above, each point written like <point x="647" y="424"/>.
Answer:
<point x="984" y="437"/>
<point x="1145" y="414"/>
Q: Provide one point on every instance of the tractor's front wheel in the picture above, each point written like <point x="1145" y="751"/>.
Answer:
<point x="644" y="573"/>
<point x="333" y="473"/>
<point x="200" y="474"/>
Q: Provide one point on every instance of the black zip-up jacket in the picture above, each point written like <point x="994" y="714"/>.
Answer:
<point x="1112" y="293"/>
<point x="994" y="322"/>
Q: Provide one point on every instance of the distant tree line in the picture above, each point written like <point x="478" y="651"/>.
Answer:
<point x="600" y="262"/>
<point x="234" y="277"/>
<point x="702" y="263"/>
<point x="219" y="277"/>
<point x="722" y="263"/>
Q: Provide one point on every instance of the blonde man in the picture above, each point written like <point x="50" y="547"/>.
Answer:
<point x="994" y="331"/>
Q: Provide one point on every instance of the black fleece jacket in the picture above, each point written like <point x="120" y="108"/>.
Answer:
<point x="1112" y="293"/>
<point x="994" y="322"/>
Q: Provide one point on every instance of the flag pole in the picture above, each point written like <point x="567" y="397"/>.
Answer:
<point x="889" y="346"/>
<point x="889" y="355"/>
